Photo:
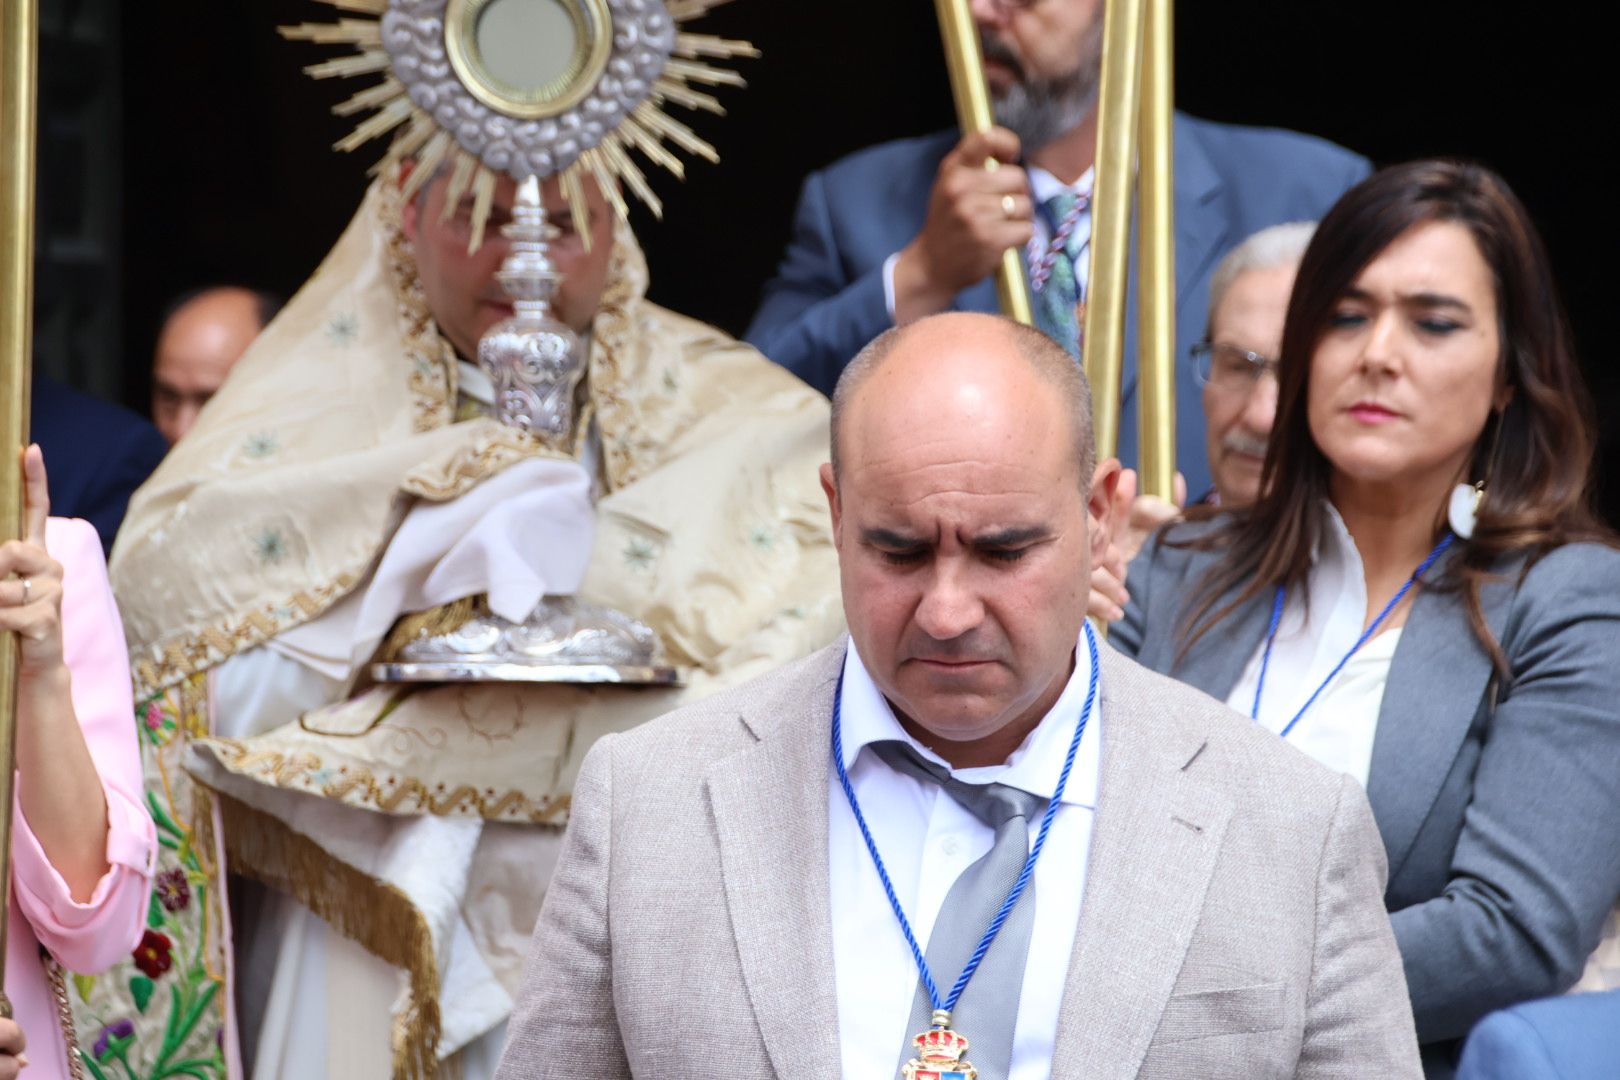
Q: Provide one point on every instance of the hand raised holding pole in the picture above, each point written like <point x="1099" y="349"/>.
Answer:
<point x="18" y="82"/>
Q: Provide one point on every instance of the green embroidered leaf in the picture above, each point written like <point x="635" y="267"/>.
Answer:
<point x="84" y="984"/>
<point x="140" y="988"/>
<point x="188" y="1070"/>
<point x="198" y="1007"/>
<point x="168" y="841"/>
<point x="163" y="820"/>
<point x="171" y="1040"/>
<point x="154" y="912"/>
<point x="90" y="1064"/>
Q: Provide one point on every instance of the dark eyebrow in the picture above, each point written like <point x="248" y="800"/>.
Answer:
<point x="1440" y="300"/>
<point x="888" y="538"/>
<point x="1017" y="536"/>
<point x="1425" y="299"/>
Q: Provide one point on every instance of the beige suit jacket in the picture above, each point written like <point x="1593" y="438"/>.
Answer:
<point x="1233" y="923"/>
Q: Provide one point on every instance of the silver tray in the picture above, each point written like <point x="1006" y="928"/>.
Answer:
<point x="472" y="672"/>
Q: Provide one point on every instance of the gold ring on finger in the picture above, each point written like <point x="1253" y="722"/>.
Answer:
<point x="1009" y="206"/>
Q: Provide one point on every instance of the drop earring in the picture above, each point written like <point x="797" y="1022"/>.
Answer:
<point x="1462" y="513"/>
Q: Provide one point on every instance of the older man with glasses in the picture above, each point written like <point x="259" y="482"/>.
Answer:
<point x="1237" y="367"/>
<point x="1236" y="362"/>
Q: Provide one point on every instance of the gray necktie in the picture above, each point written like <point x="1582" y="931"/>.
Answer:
<point x="988" y="1008"/>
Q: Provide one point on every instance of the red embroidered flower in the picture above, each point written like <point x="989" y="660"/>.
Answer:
<point x="173" y="890"/>
<point x="152" y="955"/>
<point x="154" y="718"/>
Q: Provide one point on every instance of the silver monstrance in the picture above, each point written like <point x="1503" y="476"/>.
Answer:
<point x="535" y="363"/>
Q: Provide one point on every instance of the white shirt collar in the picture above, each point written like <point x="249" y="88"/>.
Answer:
<point x="1043" y="185"/>
<point x="1034" y="767"/>
<point x="475" y="382"/>
<point x="1334" y="545"/>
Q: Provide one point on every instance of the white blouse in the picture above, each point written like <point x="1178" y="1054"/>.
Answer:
<point x="1339" y="729"/>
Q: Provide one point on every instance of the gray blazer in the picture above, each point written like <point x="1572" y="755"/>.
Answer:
<point x="1231" y="925"/>
<point x="1498" y="801"/>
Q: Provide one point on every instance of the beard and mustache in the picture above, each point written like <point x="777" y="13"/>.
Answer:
<point x="1038" y="110"/>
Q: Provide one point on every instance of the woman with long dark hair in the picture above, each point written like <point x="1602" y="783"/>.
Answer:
<point x="1422" y="596"/>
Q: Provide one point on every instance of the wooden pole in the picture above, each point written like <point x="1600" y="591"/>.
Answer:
<point x="19" y="25"/>
<point x="965" y="62"/>
<point x="1156" y="266"/>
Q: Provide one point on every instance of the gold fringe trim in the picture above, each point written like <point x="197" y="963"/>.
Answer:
<point x="373" y="913"/>
<point x="434" y="622"/>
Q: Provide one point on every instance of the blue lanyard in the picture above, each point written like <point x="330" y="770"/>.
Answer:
<point x="1366" y="636"/>
<point x="949" y="1003"/>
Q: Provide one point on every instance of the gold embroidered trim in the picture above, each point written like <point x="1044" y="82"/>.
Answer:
<point x="374" y="914"/>
<point x="170" y="662"/>
<point x="612" y="335"/>
<point x="353" y="784"/>
<point x="472" y="465"/>
<point x="432" y="360"/>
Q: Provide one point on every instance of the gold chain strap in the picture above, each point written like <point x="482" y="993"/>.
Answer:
<point x="64" y="1013"/>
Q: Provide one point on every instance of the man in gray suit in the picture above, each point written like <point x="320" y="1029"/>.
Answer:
<point x="787" y="879"/>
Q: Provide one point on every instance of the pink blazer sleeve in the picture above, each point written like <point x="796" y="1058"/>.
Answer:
<point x="91" y="937"/>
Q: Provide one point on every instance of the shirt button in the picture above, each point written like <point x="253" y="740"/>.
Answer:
<point x="948" y="845"/>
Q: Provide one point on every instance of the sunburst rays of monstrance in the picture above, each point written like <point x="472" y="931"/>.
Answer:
<point x="413" y="45"/>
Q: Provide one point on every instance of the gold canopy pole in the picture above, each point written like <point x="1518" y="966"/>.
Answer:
<point x="1119" y="99"/>
<point x="1156" y="270"/>
<point x="965" y="61"/>
<point x="18" y="56"/>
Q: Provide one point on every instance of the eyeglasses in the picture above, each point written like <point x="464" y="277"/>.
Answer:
<point x="1228" y="368"/>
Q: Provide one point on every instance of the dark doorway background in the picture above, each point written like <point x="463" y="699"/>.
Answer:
<point x="228" y="175"/>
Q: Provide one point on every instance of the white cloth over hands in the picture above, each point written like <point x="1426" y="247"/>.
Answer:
<point x="518" y="536"/>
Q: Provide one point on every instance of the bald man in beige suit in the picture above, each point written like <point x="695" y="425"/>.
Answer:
<point x="1202" y="900"/>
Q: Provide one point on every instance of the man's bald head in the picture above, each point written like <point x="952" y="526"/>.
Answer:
<point x="978" y="347"/>
<point x="961" y="510"/>
<point x="203" y="335"/>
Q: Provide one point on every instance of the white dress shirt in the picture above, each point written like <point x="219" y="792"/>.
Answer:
<point x="1042" y="185"/>
<point x="927" y="839"/>
<point x="1312" y="637"/>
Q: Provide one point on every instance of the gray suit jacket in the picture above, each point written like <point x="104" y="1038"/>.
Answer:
<point x="1499" y="804"/>
<point x="1231" y="926"/>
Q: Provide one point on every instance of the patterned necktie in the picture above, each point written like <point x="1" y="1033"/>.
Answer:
<point x="988" y="1009"/>
<point x="1056" y="279"/>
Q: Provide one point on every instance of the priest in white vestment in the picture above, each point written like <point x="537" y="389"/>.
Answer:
<point x="350" y="473"/>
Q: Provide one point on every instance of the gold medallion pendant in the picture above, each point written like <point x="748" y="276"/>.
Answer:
<point x="939" y="1054"/>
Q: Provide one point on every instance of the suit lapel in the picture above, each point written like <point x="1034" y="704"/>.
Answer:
<point x="1216" y="660"/>
<point x="1201" y="233"/>
<point x="1154" y="844"/>
<point x="1430" y="701"/>
<point x="770" y="815"/>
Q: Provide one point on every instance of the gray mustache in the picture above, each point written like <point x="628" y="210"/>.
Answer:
<point x="1242" y="443"/>
<point x="996" y="50"/>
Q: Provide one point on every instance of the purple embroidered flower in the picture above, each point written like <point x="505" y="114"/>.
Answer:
<point x="118" y="1029"/>
<point x="173" y="890"/>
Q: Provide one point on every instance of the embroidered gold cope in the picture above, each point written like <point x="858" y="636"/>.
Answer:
<point x="711" y="528"/>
